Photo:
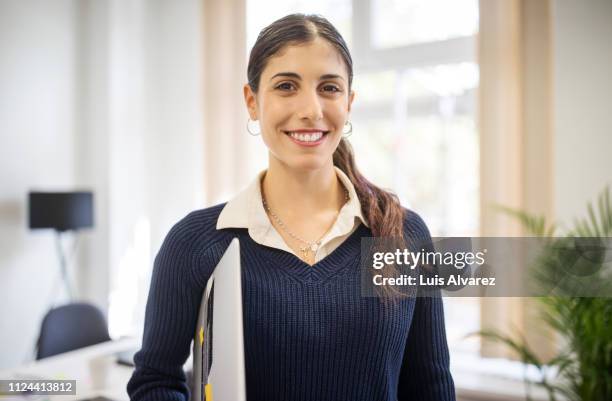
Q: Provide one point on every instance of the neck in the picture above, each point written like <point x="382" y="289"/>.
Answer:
<point x="301" y="193"/>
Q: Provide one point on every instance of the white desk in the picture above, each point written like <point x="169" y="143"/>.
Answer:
<point x="94" y="368"/>
<point x="83" y="365"/>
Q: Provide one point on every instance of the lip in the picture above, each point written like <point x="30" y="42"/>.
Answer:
<point x="304" y="131"/>
<point x="307" y="130"/>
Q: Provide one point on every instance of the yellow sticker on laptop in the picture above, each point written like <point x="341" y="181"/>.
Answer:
<point x="208" y="392"/>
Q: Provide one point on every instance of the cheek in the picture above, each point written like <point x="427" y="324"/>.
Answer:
<point x="337" y="113"/>
<point x="275" y="113"/>
<point x="274" y="117"/>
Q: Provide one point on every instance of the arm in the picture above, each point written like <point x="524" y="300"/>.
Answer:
<point x="425" y="373"/>
<point x="170" y="320"/>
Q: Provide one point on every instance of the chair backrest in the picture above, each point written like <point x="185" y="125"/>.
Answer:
<point x="71" y="327"/>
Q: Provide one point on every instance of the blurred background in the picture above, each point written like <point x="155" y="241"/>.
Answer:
<point x="460" y="105"/>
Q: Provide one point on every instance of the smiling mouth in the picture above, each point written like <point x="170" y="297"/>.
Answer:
<point x="307" y="137"/>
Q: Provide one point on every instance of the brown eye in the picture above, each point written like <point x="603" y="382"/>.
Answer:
<point x="285" y="86"/>
<point x="331" y="88"/>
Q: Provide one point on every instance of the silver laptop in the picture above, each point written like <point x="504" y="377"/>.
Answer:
<point x="218" y="347"/>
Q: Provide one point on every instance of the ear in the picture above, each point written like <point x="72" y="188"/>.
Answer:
<point x="350" y="100"/>
<point x="250" y="99"/>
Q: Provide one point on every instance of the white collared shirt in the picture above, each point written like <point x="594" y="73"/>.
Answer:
<point x="246" y="210"/>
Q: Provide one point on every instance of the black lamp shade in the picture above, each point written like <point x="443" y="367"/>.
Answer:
<point x="61" y="210"/>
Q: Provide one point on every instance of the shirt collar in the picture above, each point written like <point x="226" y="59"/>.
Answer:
<point x="246" y="210"/>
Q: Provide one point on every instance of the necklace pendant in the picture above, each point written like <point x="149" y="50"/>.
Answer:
<point x="314" y="247"/>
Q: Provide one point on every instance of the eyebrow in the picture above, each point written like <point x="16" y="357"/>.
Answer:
<point x="297" y="76"/>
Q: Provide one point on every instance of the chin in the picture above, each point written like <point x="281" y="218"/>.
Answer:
<point x="304" y="165"/>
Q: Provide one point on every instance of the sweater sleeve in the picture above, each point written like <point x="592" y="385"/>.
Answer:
<point x="425" y="373"/>
<point x="170" y="320"/>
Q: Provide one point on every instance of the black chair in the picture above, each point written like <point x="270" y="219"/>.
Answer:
<point x="71" y="327"/>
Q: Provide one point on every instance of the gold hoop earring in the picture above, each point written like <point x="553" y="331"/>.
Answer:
<point x="350" y="131"/>
<point x="249" y="128"/>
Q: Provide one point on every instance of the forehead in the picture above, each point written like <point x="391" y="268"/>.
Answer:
<point x="316" y="57"/>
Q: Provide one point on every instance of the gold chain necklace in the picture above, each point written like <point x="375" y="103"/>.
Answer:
<point x="310" y="245"/>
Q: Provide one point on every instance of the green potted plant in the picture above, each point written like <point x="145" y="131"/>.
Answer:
<point x="582" y="368"/>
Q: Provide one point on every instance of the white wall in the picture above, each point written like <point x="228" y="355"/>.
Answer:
<point x="103" y="95"/>
<point x="583" y="103"/>
<point x="156" y="140"/>
<point x="38" y="106"/>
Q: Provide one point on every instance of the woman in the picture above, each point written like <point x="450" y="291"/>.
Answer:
<point x="309" y="334"/>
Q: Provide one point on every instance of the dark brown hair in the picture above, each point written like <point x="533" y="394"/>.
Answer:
<point x="380" y="208"/>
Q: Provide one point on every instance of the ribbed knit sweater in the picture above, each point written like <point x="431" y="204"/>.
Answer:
<point x="309" y="335"/>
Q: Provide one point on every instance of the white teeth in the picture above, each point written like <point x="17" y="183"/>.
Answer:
<point x="307" y="137"/>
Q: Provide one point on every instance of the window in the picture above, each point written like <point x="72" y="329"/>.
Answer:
<point x="405" y="22"/>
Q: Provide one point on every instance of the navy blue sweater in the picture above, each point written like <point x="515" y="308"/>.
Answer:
<point x="309" y="334"/>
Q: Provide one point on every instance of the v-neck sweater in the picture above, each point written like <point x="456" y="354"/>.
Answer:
<point x="309" y="334"/>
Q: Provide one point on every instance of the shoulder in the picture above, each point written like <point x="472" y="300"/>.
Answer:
<point x="197" y="224"/>
<point x="415" y="227"/>
<point x="194" y="242"/>
<point x="196" y="232"/>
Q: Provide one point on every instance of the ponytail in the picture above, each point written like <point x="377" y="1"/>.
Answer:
<point x="381" y="209"/>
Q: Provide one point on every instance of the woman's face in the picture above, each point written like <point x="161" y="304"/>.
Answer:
<point x="302" y="104"/>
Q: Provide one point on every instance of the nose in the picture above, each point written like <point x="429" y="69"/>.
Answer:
<point x="310" y="107"/>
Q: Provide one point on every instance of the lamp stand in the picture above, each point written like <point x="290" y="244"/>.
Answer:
<point x="63" y="264"/>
